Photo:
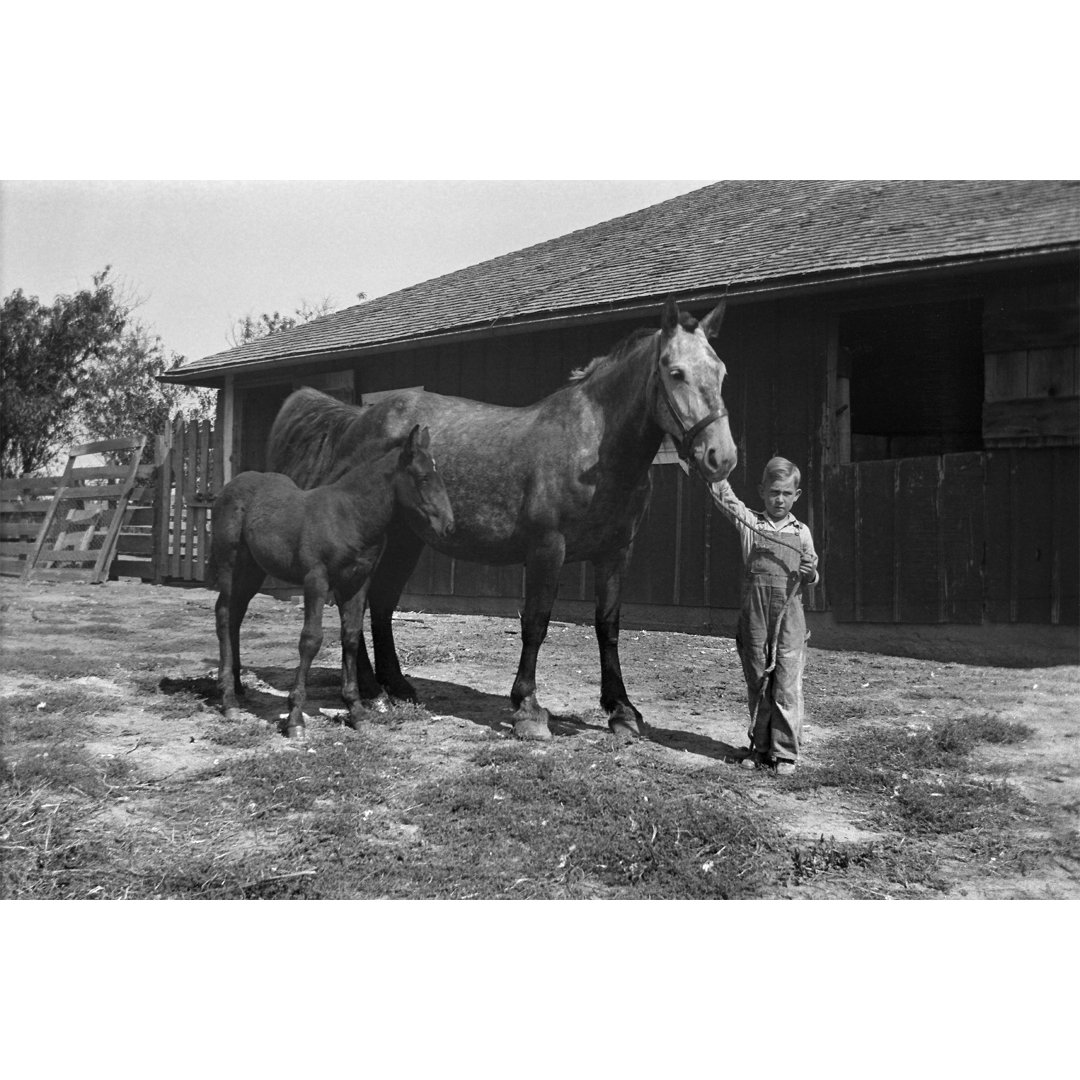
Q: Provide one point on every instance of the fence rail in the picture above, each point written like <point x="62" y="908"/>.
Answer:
<point x="165" y="528"/>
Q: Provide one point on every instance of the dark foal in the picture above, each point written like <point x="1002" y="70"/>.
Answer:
<point x="329" y="540"/>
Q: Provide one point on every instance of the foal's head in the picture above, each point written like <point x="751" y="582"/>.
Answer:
<point x="418" y="486"/>
<point x="690" y="378"/>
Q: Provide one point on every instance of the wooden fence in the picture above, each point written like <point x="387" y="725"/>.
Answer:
<point x="165" y="529"/>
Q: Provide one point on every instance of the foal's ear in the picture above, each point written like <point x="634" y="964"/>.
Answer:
<point x="669" y="318"/>
<point x="711" y="323"/>
<point x="424" y="438"/>
<point x="409" y="448"/>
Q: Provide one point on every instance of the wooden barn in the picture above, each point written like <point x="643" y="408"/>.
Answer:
<point x="912" y="345"/>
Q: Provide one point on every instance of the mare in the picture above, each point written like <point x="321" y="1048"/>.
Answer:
<point x="328" y="539"/>
<point x="563" y="480"/>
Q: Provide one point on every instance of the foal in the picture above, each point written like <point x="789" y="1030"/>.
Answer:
<point x="328" y="539"/>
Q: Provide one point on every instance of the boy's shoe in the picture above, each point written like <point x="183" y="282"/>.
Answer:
<point x="753" y="760"/>
<point x="785" y="768"/>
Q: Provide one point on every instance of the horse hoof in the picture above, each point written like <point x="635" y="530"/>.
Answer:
<point x="532" y="728"/>
<point x="381" y="704"/>
<point x="298" y="733"/>
<point x="400" y="689"/>
<point x="626" y="724"/>
<point x="233" y="714"/>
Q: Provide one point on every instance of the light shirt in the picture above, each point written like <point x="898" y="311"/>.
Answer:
<point x="751" y="523"/>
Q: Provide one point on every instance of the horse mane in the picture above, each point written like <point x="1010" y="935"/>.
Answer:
<point x="306" y="439"/>
<point x="629" y="345"/>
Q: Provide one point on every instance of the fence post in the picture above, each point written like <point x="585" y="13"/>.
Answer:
<point x="163" y="448"/>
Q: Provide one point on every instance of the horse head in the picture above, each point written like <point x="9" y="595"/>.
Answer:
<point x="424" y="493"/>
<point x="690" y="377"/>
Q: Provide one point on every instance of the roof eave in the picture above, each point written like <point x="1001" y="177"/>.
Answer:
<point x="643" y="305"/>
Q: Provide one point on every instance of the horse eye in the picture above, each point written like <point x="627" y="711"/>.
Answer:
<point x="678" y="374"/>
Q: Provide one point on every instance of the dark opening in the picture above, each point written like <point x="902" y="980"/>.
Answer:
<point x="916" y="379"/>
<point x="259" y="406"/>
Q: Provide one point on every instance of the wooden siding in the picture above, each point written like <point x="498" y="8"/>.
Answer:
<point x="961" y="538"/>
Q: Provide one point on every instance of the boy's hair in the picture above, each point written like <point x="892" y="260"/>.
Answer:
<point x="779" y="468"/>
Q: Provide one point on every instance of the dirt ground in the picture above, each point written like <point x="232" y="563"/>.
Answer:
<point x="114" y="639"/>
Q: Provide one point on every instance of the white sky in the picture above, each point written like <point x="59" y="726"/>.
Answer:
<point x="204" y="254"/>
<point x="436" y="115"/>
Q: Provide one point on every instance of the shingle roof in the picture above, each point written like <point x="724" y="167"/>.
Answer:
<point x="729" y="234"/>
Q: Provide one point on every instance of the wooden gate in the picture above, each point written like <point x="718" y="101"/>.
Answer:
<point x="190" y="477"/>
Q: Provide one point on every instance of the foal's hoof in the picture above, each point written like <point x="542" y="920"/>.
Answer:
<point x="294" y="730"/>
<point x="536" y="730"/>
<point x="234" y="714"/>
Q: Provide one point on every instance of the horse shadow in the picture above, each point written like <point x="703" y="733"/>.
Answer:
<point x="266" y="692"/>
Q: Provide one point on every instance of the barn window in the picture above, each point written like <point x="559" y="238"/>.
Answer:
<point x="910" y="380"/>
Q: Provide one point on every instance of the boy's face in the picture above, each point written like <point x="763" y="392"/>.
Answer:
<point x="779" y="496"/>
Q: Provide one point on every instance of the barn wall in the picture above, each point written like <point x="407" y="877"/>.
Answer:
<point x="916" y="540"/>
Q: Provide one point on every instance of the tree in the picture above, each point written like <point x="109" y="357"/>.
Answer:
<point x="79" y="369"/>
<point x="250" y="328"/>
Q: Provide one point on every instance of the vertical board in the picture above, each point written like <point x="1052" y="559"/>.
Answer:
<point x="1031" y="514"/>
<point x="695" y="503"/>
<point x="920" y="583"/>
<point x="1066" y="473"/>
<point x="651" y="578"/>
<point x="838" y="552"/>
<point x="962" y="525"/>
<point x="999" y="586"/>
<point x="876" y="554"/>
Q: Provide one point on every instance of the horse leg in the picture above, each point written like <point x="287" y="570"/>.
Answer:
<point x="356" y="692"/>
<point x="315" y="590"/>
<point x="400" y="556"/>
<point x="542" y="566"/>
<point x="623" y="718"/>
<point x="239" y="582"/>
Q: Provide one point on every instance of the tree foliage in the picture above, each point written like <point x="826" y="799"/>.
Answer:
<point x="251" y="327"/>
<point x="81" y="368"/>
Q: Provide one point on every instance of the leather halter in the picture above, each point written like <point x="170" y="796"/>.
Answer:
<point x="689" y="436"/>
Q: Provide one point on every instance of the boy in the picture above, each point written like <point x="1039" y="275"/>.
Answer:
<point x="778" y="559"/>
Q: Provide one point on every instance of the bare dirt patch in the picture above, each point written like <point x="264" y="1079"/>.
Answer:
<point x="121" y="778"/>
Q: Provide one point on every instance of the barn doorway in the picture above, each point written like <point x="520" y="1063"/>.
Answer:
<point x="912" y="380"/>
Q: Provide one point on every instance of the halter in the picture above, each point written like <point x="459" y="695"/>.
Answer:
<point x="689" y="436"/>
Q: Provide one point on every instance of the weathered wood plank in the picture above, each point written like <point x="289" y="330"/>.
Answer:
<point x="876" y="555"/>
<point x="920" y="584"/>
<point x="1011" y="422"/>
<point x="963" y="534"/>
<point x="1006" y="376"/>
<point x="837" y="548"/>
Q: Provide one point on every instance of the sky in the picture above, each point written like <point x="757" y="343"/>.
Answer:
<point x="200" y="255"/>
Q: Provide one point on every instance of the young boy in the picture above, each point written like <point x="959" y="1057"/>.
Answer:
<point x="778" y="559"/>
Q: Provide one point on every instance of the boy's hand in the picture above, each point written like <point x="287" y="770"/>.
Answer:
<point x="807" y="572"/>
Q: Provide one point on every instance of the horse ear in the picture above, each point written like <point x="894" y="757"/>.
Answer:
<point x="424" y="439"/>
<point x="711" y="323"/>
<point x="669" y="319"/>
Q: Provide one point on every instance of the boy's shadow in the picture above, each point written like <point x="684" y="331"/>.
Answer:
<point x="691" y="742"/>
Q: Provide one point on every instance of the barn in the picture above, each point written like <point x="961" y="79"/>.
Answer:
<point x="912" y="345"/>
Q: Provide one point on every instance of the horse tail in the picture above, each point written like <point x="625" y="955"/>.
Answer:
<point x="311" y="438"/>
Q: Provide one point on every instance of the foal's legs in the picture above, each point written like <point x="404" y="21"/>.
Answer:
<point x="609" y="573"/>
<point x="239" y="579"/>
<point x="400" y="556"/>
<point x="542" y="566"/>
<point x="315" y="590"/>
<point x="355" y="691"/>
